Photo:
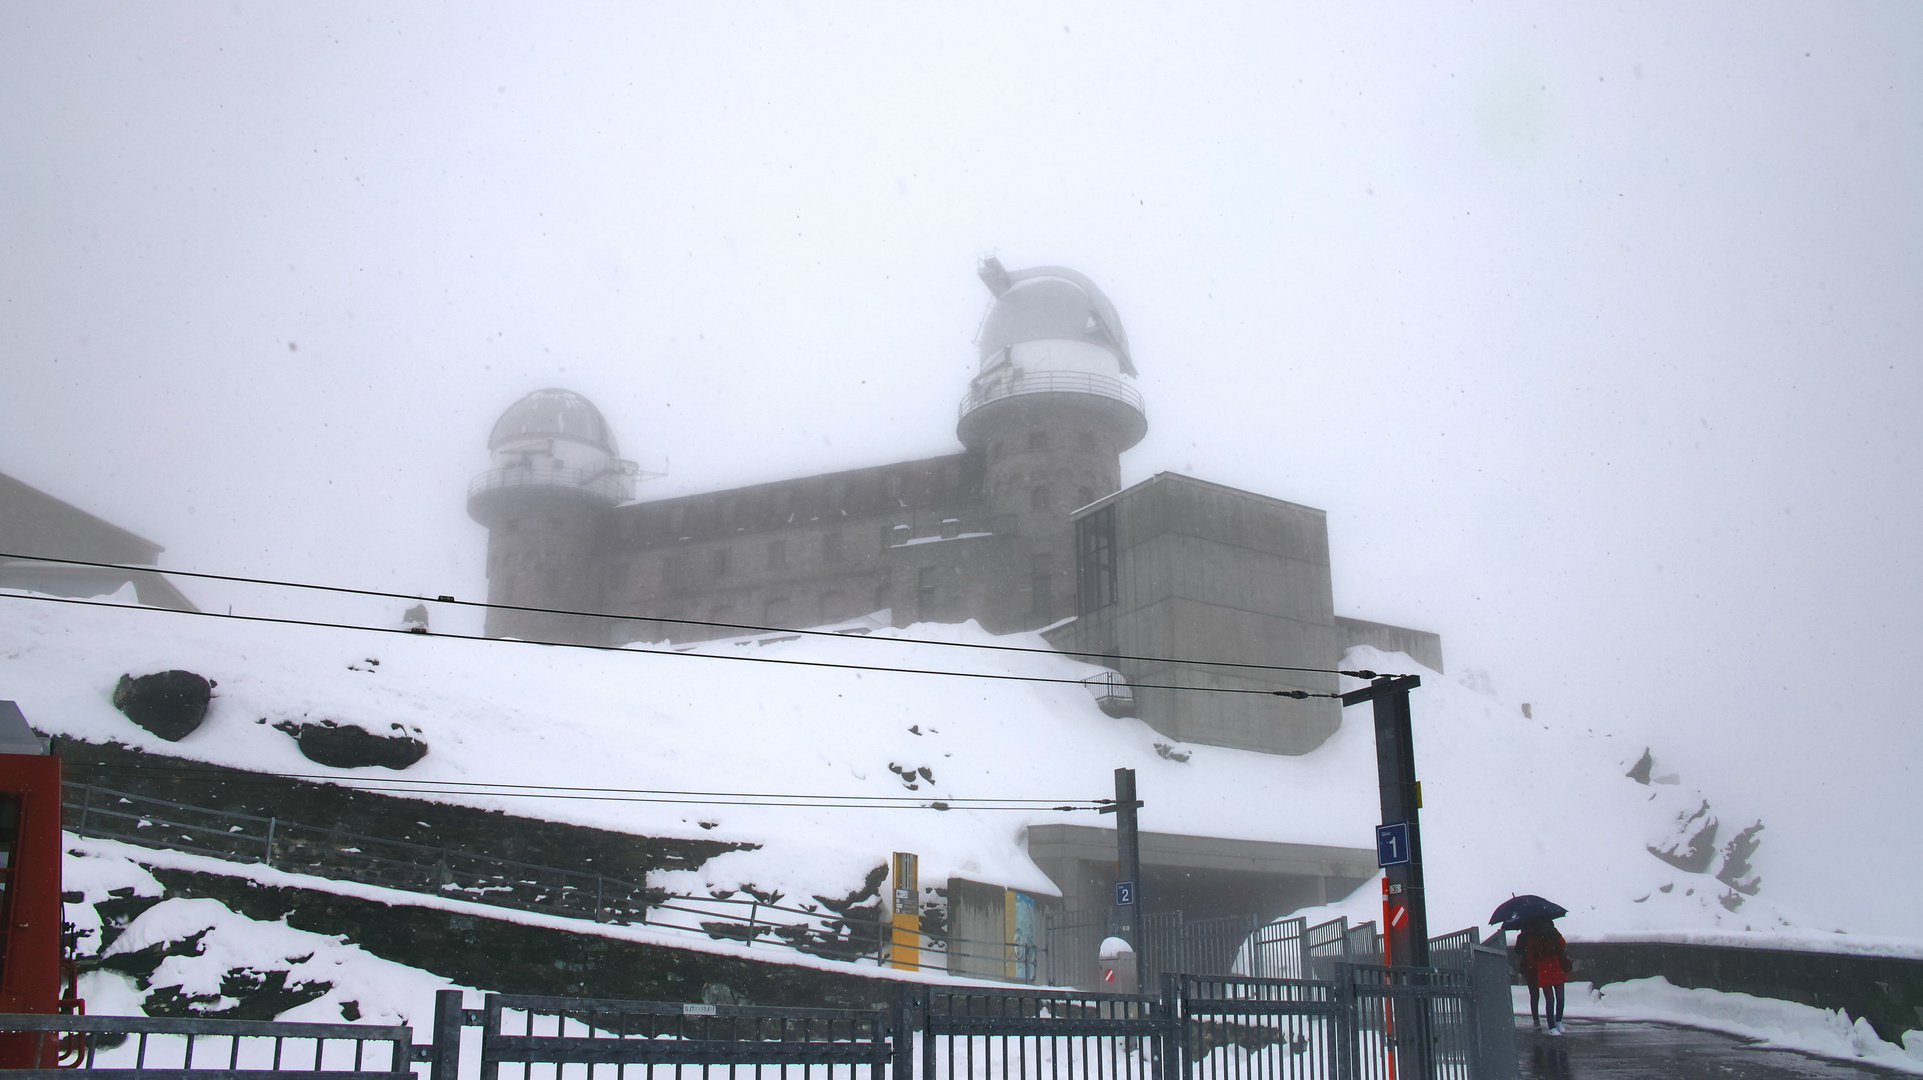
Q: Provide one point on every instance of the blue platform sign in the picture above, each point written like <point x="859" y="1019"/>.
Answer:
<point x="1392" y="844"/>
<point x="1124" y="893"/>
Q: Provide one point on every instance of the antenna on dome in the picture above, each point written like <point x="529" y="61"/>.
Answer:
<point x="993" y="275"/>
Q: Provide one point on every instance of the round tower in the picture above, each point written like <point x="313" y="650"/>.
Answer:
<point x="1050" y="411"/>
<point x="555" y="474"/>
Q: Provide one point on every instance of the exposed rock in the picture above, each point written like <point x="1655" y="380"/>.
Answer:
<point x="350" y="746"/>
<point x="1640" y="773"/>
<point x="171" y="704"/>
<point x="1693" y="847"/>
<point x="1736" y="871"/>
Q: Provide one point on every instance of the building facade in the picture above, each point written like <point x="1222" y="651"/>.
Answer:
<point x="1008" y="531"/>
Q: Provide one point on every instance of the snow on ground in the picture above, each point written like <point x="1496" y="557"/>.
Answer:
<point x="128" y="860"/>
<point x="1784" y="1024"/>
<point x="1512" y="804"/>
<point x="202" y="948"/>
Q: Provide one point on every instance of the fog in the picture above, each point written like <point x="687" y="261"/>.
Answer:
<point x="1593" y="332"/>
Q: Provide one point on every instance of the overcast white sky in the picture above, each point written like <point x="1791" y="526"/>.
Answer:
<point x="1595" y="332"/>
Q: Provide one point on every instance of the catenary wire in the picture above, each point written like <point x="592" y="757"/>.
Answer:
<point x="786" y="662"/>
<point x="485" y="787"/>
<point x="444" y="599"/>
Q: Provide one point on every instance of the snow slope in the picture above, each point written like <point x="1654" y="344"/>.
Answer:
<point x="1512" y="804"/>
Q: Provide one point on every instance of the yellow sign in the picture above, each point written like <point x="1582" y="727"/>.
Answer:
<point x="904" y="951"/>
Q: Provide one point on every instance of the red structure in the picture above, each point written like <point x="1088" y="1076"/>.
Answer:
<point x="31" y="961"/>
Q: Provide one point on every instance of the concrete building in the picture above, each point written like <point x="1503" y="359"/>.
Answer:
<point x="35" y="523"/>
<point x="1024" y="528"/>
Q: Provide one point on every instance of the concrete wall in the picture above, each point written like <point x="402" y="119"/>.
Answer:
<point x="1210" y="573"/>
<point x="1201" y="876"/>
<point x="1422" y="646"/>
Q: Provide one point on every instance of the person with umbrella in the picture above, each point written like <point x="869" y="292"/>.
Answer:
<point x="1545" y="956"/>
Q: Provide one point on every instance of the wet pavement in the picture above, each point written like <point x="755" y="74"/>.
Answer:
<point x="1613" y="1049"/>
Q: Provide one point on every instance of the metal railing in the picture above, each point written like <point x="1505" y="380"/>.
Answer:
<point x="1018" y="382"/>
<point x="1367" y="1022"/>
<point x="1061" y="1035"/>
<point x="485" y="879"/>
<point x="521" y="1032"/>
<point x="1239" y="1027"/>
<point x="611" y="483"/>
<point x="336" y="853"/>
<point x="204" y="1048"/>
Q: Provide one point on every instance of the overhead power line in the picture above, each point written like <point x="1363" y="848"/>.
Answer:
<point x="714" y="798"/>
<point x="630" y="650"/>
<point x="1105" y="658"/>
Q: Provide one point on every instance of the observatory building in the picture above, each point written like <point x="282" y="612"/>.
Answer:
<point x="1025" y="528"/>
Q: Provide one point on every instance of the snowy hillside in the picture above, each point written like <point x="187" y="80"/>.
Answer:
<point x="1512" y="804"/>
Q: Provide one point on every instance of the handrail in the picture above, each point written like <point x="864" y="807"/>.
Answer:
<point x="607" y="483"/>
<point x="1019" y="382"/>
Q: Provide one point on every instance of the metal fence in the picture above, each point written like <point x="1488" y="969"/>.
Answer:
<point x="1167" y="942"/>
<point x="1411" y="1023"/>
<point x="486" y="879"/>
<point x="195" y="1048"/>
<point x="1272" y="1028"/>
<point x="1367" y="1022"/>
<point x="1061" y="1035"/>
<point x="596" y="1038"/>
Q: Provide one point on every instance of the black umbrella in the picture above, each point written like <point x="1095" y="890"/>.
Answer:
<point x="1517" y="910"/>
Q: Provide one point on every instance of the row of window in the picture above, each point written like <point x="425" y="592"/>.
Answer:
<point x="1038" y="440"/>
<point x="861" y="493"/>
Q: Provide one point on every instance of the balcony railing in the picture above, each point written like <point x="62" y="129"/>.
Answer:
<point x="1049" y="382"/>
<point x="610" y="483"/>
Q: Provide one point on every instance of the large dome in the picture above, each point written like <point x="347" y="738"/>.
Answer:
<point x="554" y="413"/>
<point x="1049" y="303"/>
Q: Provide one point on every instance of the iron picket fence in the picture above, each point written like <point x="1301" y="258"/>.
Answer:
<point x="1409" y="1023"/>
<point x="485" y="879"/>
<point x="1035" y="1034"/>
<point x="205" y="1048"/>
<point x="585" y="1038"/>
<point x="1234" y="1027"/>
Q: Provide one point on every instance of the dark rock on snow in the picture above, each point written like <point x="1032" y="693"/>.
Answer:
<point x="350" y="746"/>
<point x="171" y="704"/>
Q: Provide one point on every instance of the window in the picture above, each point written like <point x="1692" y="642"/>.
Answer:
<point x="676" y="517"/>
<point x="833" y="550"/>
<point x="777" y="554"/>
<point x="728" y="510"/>
<point x="1095" y="576"/>
<point x="925" y="595"/>
<point x="1084" y="496"/>
<point x="1038" y="440"/>
<point x="837" y="494"/>
<point x="776" y="612"/>
<point x="1038" y="499"/>
<point x="718" y="562"/>
<point x="894" y="485"/>
<point x="1041" y="598"/>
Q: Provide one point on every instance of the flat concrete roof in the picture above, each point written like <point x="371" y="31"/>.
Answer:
<point x="1090" y="843"/>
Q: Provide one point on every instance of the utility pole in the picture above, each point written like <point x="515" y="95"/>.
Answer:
<point x="1128" y="862"/>
<point x="1405" y="911"/>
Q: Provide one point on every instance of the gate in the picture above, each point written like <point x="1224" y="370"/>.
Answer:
<point x="198" y="1048"/>
<point x="1035" y="1034"/>
<point x="1287" y="1029"/>
<point x="1410" y="1023"/>
<point x="579" y="1037"/>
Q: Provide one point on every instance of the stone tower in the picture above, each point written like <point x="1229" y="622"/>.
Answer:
<point x="1050" y="413"/>
<point x="555" y="474"/>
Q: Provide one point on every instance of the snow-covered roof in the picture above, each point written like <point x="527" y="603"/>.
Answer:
<point x="554" y="413"/>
